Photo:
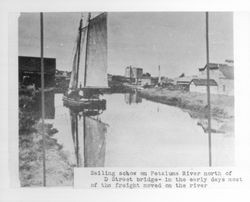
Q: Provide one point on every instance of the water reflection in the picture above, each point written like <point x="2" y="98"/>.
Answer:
<point x="145" y="134"/>
<point x="131" y="98"/>
<point x="88" y="134"/>
<point x="49" y="101"/>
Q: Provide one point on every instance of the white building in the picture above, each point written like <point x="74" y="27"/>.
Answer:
<point x="146" y="80"/>
<point x="223" y="74"/>
<point x="134" y="73"/>
<point x="183" y="82"/>
<point x="200" y="86"/>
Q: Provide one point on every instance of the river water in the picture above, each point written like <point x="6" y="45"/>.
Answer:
<point x="134" y="132"/>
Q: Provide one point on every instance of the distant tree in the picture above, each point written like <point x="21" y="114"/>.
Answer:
<point x="182" y="75"/>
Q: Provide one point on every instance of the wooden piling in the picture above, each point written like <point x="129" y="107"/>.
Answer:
<point x="42" y="92"/>
<point x="208" y="90"/>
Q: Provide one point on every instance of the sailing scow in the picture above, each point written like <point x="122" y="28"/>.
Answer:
<point x="89" y="70"/>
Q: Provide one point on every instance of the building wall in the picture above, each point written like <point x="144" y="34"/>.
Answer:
<point x="137" y="72"/>
<point x="128" y="72"/>
<point x="30" y="68"/>
<point x="226" y="87"/>
<point x="203" y="89"/>
<point x="146" y="81"/>
<point x="35" y="78"/>
<point x="215" y="74"/>
<point x="134" y="73"/>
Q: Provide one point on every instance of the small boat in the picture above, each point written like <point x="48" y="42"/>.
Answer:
<point x="89" y="70"/>
<point x="85" y="103"/>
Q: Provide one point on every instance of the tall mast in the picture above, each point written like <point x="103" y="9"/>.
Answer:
<point x="79" y="51"/>
<point x="208" y="90"/>
<point x="85" y="66"/>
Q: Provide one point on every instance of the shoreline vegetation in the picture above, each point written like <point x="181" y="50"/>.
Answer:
<point x="59" y="171"/>
<point x="222" y="106"/>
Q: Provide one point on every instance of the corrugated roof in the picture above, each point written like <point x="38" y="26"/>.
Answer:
<point x="227" y="71"/>
<point x="203" y="82"/>
<point x="213" y="66"/>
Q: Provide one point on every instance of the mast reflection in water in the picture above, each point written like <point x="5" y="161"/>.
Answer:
<point x="88" y="134"/>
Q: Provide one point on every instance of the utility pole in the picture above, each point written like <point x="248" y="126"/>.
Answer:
<point x="208" y="91"/>
<point x="42" y="92"/>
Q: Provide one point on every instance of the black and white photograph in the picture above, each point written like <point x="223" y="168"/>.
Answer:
<point x="123" y="89"/>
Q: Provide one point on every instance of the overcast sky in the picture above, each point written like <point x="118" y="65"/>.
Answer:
<point x="173" y="40"/>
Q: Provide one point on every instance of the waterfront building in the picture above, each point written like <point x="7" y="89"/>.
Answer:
<point x="146" y="80"/>
<point x="134" y="73"/>
<point x="183" y="82"/>
<point x="30" y="71"/>
<point x="223" y="74"/>
<point x="200" y="86"/>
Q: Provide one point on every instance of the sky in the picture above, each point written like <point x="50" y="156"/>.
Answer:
<point x="173" y="40"/>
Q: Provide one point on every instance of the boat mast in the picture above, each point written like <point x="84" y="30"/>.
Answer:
<point x="79" y="51"/>
<point x="85" y="66"/>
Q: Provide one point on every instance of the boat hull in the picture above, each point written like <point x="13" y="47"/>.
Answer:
<point x="85" y="104"/>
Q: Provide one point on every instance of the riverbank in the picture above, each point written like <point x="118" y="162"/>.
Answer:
<point x="59" y="171"/>
<point x="222" y="107"/>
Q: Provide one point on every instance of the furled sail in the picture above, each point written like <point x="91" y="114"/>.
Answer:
<point x="96" y="50"/>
